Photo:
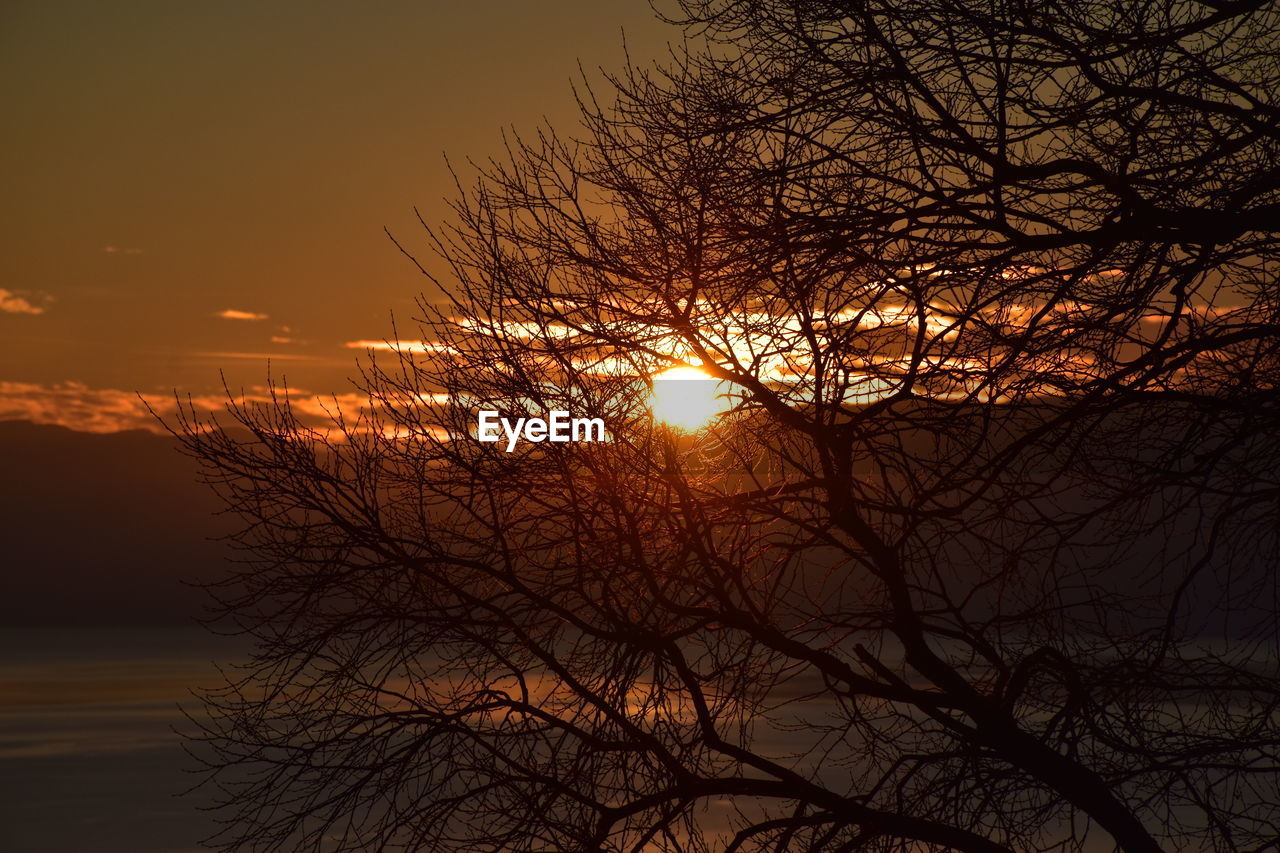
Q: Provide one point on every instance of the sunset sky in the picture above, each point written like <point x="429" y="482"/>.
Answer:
<point x="862" y="435"/>
<point x="195" y="187"/>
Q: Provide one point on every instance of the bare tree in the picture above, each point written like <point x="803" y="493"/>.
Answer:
<point x="981" y="557"/>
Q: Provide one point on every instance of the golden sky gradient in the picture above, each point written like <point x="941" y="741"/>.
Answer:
<point x="195" y="187"/>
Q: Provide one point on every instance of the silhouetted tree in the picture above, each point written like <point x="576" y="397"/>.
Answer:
<point x="982" y="558"/>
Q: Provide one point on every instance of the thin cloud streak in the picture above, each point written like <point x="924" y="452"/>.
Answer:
<point x="399" y="346"/>
<point x="233" y="314"/>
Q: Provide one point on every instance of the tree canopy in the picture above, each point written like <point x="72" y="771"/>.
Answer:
<point x="980" y="555"/>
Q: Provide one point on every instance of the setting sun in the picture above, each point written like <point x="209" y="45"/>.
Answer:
<point x="687" y="399"/>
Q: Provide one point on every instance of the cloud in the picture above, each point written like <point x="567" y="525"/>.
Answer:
<point x="12" y="303"/>
<point x="399" y="346"/>
<point x="280" y="339"/>
<point x="233" y="314"/>
<point x="77" y="406"/>
<point x="114" y="250"/>
<point x="102" y="410"/>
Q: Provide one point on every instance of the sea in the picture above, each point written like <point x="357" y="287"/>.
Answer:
<point x="92" y="756"/>
<point x="91" y="751"/>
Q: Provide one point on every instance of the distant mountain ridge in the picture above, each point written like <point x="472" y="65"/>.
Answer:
<point x="103" y="529"/>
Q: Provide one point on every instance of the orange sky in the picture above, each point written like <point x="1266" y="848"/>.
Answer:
<point x="194" y="186"/>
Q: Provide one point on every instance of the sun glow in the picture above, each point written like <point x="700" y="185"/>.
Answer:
<point x="687" y="399"/>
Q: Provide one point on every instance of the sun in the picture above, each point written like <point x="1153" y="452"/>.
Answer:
<point x="687" y="399"/>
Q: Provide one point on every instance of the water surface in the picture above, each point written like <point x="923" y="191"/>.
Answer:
<point x="90" y="761"/>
